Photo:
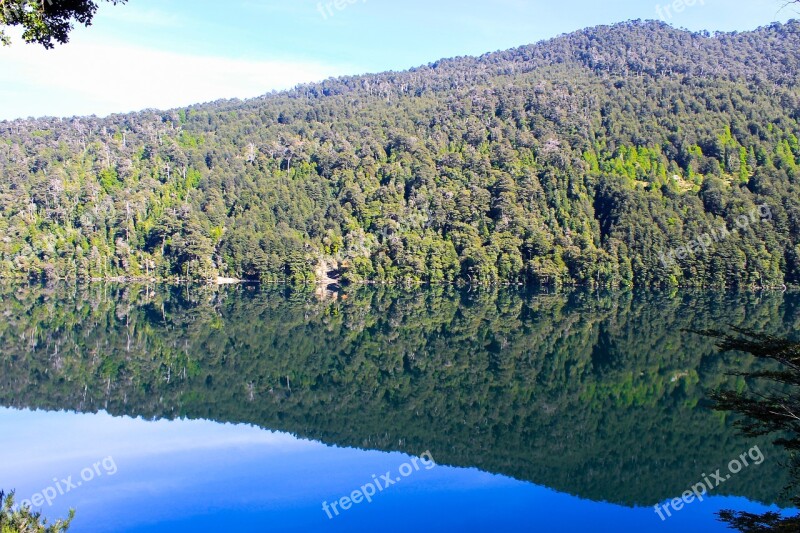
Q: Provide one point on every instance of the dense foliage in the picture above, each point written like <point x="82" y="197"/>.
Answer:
<point x="46" y="22"/>
<point x="598" y="395"/>
<point x="576" y="160"/>
<point x="774" y="411"/>
<point x="15" y="520"/>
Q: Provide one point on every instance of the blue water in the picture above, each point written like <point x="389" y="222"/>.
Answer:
<point x="255" y="409"/>
<point x="203" y="476"/>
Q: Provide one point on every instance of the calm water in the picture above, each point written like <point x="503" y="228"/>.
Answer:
<point x="206" y="409"/>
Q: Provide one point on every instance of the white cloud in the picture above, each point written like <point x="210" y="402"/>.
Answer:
<point x="85" y="78"/>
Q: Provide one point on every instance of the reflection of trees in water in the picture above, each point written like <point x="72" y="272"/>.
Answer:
<point x="772" y="409"/>
<point x="597" y="395"/>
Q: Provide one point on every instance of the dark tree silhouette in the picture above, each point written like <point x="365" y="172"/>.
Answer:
<point x="776" y="412"/>
<point x="46" y="22"/>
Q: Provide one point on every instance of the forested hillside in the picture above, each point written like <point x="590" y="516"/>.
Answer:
<point x="576" y="160"/>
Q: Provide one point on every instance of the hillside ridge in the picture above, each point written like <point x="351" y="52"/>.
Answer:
<point x="584" y="159"/>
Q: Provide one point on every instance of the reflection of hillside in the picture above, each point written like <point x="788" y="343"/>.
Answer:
<point x="594" y="395"/>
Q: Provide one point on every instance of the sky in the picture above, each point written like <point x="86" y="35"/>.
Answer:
<point x="171" y="53"/>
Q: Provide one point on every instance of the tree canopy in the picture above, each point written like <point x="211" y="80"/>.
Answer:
<point x="579" y="160"/>
<point x="46" y="22"/>
<point x="23" y="520"/>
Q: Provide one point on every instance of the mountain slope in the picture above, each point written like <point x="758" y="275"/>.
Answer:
<point x="595" y="157"/>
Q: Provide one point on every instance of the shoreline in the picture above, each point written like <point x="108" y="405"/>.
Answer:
<point x="328" y="282"/>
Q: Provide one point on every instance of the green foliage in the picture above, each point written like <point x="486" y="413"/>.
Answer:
<point x="26" y="521"/>
<point x="46" y="21"/>
<point x="109" y="180"/>
<point x="566" y="162"/>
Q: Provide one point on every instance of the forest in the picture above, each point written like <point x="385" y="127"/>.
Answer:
<point x="578" y="160"/>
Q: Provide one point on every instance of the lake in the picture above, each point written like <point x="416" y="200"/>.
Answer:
<point x="248" y="408"/>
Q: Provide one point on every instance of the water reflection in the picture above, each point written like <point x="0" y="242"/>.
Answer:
<point x="593" y="395"/>
<point x="202" y="476"/>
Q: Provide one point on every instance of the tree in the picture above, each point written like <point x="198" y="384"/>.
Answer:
<point x="46" y="21"/>
<point x="14" y="520"/>
<point x="776" y="412"/>
<point x="787" y="3"/>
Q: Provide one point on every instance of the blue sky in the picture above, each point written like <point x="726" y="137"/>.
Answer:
<point x="169" y="53"/>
